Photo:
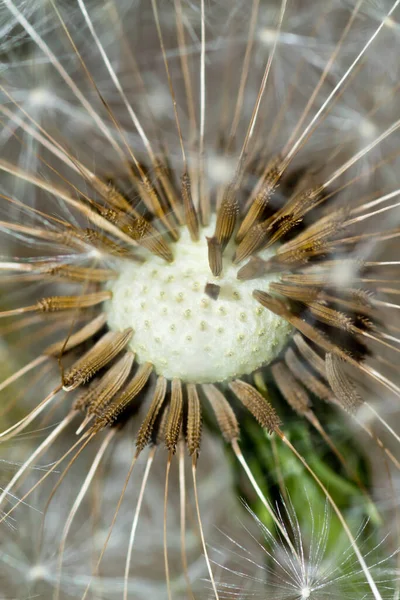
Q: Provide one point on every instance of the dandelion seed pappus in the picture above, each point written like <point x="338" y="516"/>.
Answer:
<point x="199" y="240"/>
<point x="309" y="570"/>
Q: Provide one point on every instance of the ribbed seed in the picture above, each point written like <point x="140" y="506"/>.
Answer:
<point x="226" y="217"/>
<point x="107" y="348"/>
<point x="175" y="414"/>
<point x="224" y="414"/>
<point x="102" y="242"/>
<point x="256" y="210"/>
<point x="55" y="303"/>
<point x="317" y="337"/>
<point x="317" y="235"/>
<point x="312" y="279"/>
<point x="259" y="407"/>
<point x="81" y="273"/>
<point x="270" y="181"/>
<point x="309" y="381"/>
<point x="343" y="388"/>
<point x="291" y="390"/>
<point x="272" y="303"/>
<point x="83" y="399"/>
<point x="110" y="384"/>
<point x="146" y="428"/>
<point x="157" y="208"/>
<point x="330" y="316"/>
<point x="139" y="230"/>
<point x="317" y="363"/>
<point x="214" y="256"/>
<point x="162" y="426"/>
<point x="256" y="267"/>
<point x="110" y="194"/>
<point x="120" y="403"/>
<point x="279" y="228"/>
<point x="252" y="241"/>
<point x="193" y="430"/>
<point x="295" y="292"/>
<point x="101" y="388"/>
<point x="148" y="237"/>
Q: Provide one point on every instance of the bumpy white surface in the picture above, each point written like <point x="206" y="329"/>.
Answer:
<point x="182" y="331"/>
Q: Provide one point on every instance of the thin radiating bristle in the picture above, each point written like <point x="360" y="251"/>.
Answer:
<point x="198" y="232"/>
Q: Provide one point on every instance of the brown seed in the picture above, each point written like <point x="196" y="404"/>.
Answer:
<point x="259" y="406"/>
<point x="312" y="279"/>
<point x="270" y="178"/>
<point x="107" y="348"/>
<point x="317" y="363"/>
<point x="226" y="217"/>
<point x="175" y="414"/>
<point x="252" y="241"/>
<point x="152" y="200"/>
<point x="224" y="414"/>
<point x="110" y="384"/>
<point x="308" y="330"/>
<point x="110" y="194"/>
<point x="83" y="399"/>
<point x="147" y="236"/>
<point x="55" y="303"/>
<point x="295" y="292"/>
<point x="146" y="428"/>
<point x="303" y="201"/>
<point x="280" y="227"/>
<point x="162" y="426"/>
<point x="302" y="374"/>
<point x="80" y="273"/>
<point x="193" y="432"/>
<point x="256" y="210"/>
<point x="277" y="306"/>
<point x="101" y="242"/>
<point x="254" y="268"/>
<point x="294" y="393"/>
<point x="214" y="256"/>
<point x="342" y="386"/>
<point x="120" y="403"/>
<point x="140" y="230"/>
<point x="316" y="236"/>
<point x="331" y="317"/>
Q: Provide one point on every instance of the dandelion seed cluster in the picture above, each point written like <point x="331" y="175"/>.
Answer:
<point x="199" y="214"/>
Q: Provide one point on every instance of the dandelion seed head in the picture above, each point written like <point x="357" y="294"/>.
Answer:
<point x="183" y="332"/>
<point x="131" y="125"/>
